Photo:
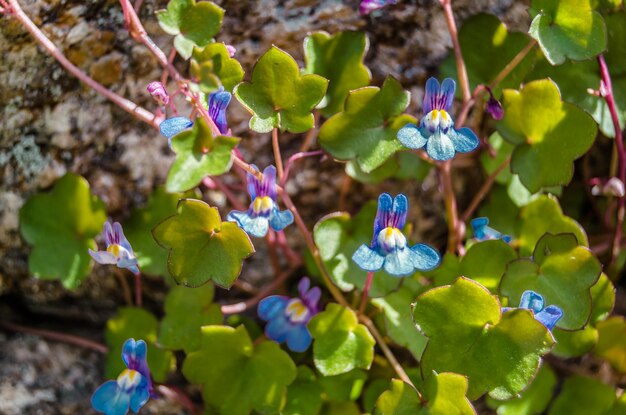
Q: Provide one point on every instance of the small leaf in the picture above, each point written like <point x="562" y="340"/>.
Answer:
<point x="485" y="262"/>
<point x="237" y="376"/>
<point x="137" y="323"/>
<point x="366" y="130"/>
<point x="340" y="342"/>
<point x="138" y="226"/>
<point x="444" y="394"/>
<point x="404" y="165"/>
<point x="612" y="342"/>
<point x="567" y="29"/>
<point x="499" y="353"/>
<point x="278" y="96"/>
<point x="532" y="401"/>
<point x="484" y="35"/>
<point x="584" y="396"/>
<point x="186" y="311"/>
<point x="344" y="387"/>
<point x="201" y="247"/>
<point x="562" y="272"/>
<point x="60" y="226"/>
<point x="304" y="395"/>
<point x="338" y="58"/>
<point x="548" y="134"/>
<point x="338" y="236"/>
<point x="198" y="154"/>
<point x="213" y="66"/>
<point x="193" y="24"/>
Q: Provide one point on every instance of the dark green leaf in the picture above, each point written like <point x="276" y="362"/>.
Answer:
<point x="584" y="396"/>
<point x="532" y="401"/>
<point x="304" y="395"/>
<point x="213" y="66"/>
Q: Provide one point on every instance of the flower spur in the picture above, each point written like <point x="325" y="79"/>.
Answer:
<point x="263" y="212"/>
<point x="436" y="128"/>
<point x="389" y="249"/>
<point x="547" y="316"/>
<point x="118" y="249"/>
<point x="287" y="317"/>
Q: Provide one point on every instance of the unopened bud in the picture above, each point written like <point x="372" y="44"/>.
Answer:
<point x="612" y="187"/>
<point x="494" y="108"/>
<point x="231" y="50"/>
<point x="158" y="92"/>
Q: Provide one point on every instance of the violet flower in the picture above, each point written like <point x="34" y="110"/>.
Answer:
<point x="547" y="316"/>
<point x="218" y="103"/>
<point x="158" y="92"/>
<point x="263" y="212"/>
<point x="436" y="128"/>
<point x="118" y="250"/>
<point x="389" y="249"/>
<point x="287" y="317"/>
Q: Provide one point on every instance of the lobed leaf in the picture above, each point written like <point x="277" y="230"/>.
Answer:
<point x="213" y="67"/>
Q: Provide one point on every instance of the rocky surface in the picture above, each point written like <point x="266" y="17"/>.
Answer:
<point x="51" y="124"/>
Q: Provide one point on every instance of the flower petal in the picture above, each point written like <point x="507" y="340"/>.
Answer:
<point x="109" y="235"/>
<point x="412" y="137"/>
<point x="103" y="257"/>
<point x="129" y="263"/>
<point x="299" y="338"/>
<point x="303" y="286"/>
<point x="440" y="147"/>
<point x="431" y="92"/>
<point x="531" y="301"/>
<point x="218" y="103"/>
<point x="478" y="227"/>
<point x="549" y="316"/>
<point x="253" y="183"/>
<point x="140" y="395"/>
<point x="425" y="257"/>
<point x="368" y="259"/>
<point x="385" y="205"/>
<point x="279" y="220"/>
<point x="399" y="262"/>
<point x="255" y="226"/>
<point x="398" y="211"/>
<point x="172" y="126"/>
<point x="311" y="298"/>
<point x="278" y="328"/>
<point x="272" y="306"/>
<point x="110" y="399"/>
<point x="269" y="182"/>
<point x="446" y="95"/>
<point x="464" y="139"/>
<point x="121" y="239"/>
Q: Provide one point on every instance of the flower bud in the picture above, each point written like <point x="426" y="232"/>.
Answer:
<point x="158" y="92"/>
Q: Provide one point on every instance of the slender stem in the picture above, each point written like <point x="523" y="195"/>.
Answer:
<point x="451" y="207"/>
<point x="606" y="90"/>
<point x="366" y="290"/>
<point x="513" y="64"/>
<point x="268" y="289"/>
<point x="484" y="189"/>
<point x="309" y="139"/>
<point x="135" y="110"/>
<point x="295" y="158"/>
<point x="176" y="395"/>
<point x="53" y="335"/>
<point x="460" y="63"/>
<point x="277" y="156"/>
<point x="138" y="295"/>
<point x="121" y="277"/>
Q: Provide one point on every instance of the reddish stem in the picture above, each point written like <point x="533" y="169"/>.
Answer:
<point x="295" y="158"/>
<point x="460" y="63"/>
<point x="53" y="335"/>
<point x="277" y="156"/>
<point x="174" y="394"/>
<point x="366" y="291"/>
<point x="478" y="197"/>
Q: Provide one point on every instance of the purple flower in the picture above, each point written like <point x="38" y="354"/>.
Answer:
<point x="368" y="6"/>
<point x="389" y="249"/>
<point x="287" y="317"/>
<point x="218" y="103"/>
<point x="436" y="129"/>
<point x="494" y="108"/>
<point x="158" y="92"/>
<point x="547" y="316"/>
<point x="133" y="386"/>
<point x="263" y="211"/>
<point x="118" y="249"/>
<point x="482" y="232"/>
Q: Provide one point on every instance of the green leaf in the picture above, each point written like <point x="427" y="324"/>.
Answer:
<point x="541" y="216"/>
<point x="366" y="130"/>
<point x="444" y="394"/>
<point x="484" y="35"/>
<point x="338" y="236"/>
<point x="567" y="29"/>
<point x="138" y="226"/>
<point x="278" y="96"/>
<point x="201" y="247"/>
<point x="304" y="395"/>
<point x="60" y="225"/>
<point x="612" y="342"/>
<point x="193" y="24"/>
<point x="502" y="149"/>
<point x="602" y="299"/>
<point x="532" y="401"/>
<point x="137" y="323"/>
<point x="562" y="272"/>
<point x="398" y="318"/>
<point x="548" y="134"/>
<point x="199" y="154"/>
<point x="237" y="376"/>
<point x="344" y="387"/>
<point x="468" y="334"/>
<point x="338" y="58"/>
<point x="485" y="262"/>
<point x="213" y="66"/>
<point x="403" y="165"/>
<point x="584" y="396"/>
<point x="186" y="311"/>
<point x="340" y="342"/>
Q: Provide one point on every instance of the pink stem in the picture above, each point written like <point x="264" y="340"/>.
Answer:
<point x="277" y="155"/>
<point x="297" y="157"/>
<point x="53" y="335"/>
<point x="366" y="290"/>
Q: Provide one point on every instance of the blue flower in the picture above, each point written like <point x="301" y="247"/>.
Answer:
<point x="482" y="232"/>
<point x="368" y="6"/>
<point x="287" y="317"/>
<point x="436" y="129"/>
<point x="547" y="316"/>
<point x="218" y="103"/>
<point x="118" y="250"/>
<point x="389" y="249"/>
<point x="172" y="126"/>
<point x="263" y="211"/>
<point x="133" y="386"/>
